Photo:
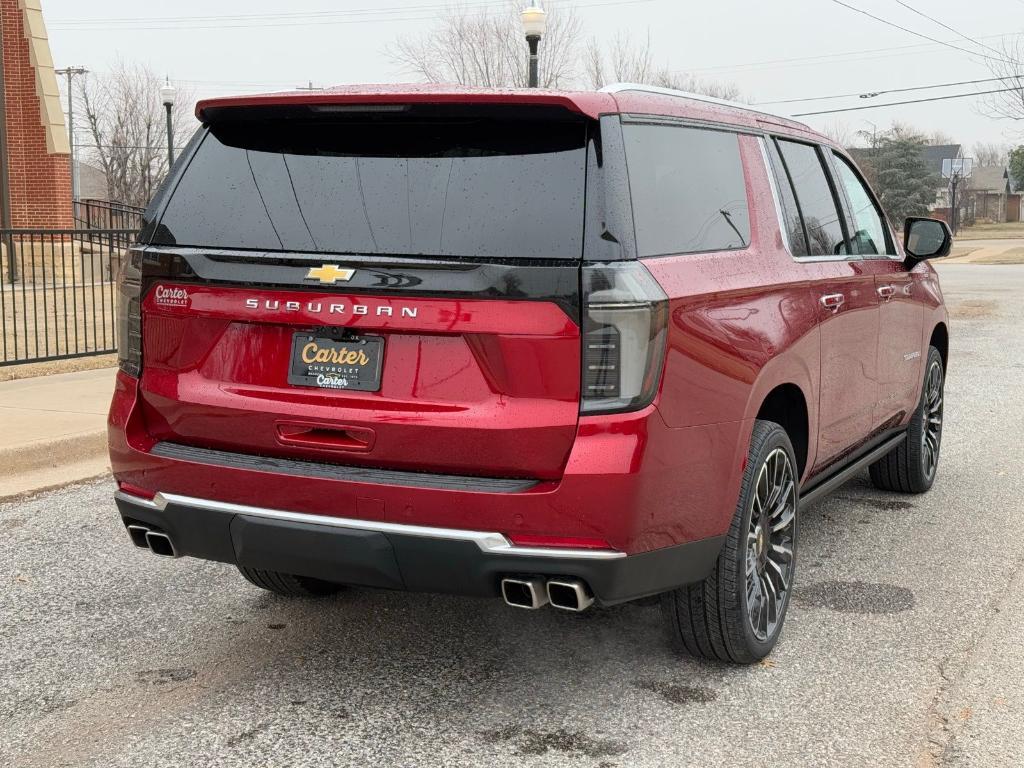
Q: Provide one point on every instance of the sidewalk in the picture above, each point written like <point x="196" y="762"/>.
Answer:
<point x="53" y="429"/>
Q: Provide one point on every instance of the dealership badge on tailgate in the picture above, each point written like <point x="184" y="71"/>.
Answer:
<point x="336" y="364"/>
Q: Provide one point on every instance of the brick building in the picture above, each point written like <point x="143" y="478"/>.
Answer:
<point x="35" y="168"/>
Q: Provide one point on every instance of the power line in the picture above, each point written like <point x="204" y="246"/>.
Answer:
<point x="860" y="55"/>
<point x="872" y="94"/>
<point x="916" y="34"/>
<point x="911" y="101"/>
<point x="425" y="13"/>
<point x="951" y="29"/>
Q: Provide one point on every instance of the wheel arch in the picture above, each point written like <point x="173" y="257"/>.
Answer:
<point x="940" y="340"/>
<point x="786" y="405"/>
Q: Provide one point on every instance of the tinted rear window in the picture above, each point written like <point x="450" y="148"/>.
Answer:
<point x="688" y="189"/>
<point x="471" y="188"/>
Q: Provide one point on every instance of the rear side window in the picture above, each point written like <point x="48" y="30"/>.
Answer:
<point x="490" y="188"/>
<point x="688" y="189"/>
<point x="870" y="235"/>
<point x="822" y="222"/>
<point x="790" y="210"/>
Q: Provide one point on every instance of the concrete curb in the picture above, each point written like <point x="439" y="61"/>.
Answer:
<point x="49" y="464"/>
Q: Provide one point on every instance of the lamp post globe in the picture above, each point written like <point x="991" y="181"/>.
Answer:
<point x="534" y="24"/>
<point x="167" y="94"/>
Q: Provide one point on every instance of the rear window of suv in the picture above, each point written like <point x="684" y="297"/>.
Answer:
<point x="688" y="190"/>
<point x="487" y="188"/>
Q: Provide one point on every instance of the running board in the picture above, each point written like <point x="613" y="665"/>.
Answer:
<point x="831" y="482"/>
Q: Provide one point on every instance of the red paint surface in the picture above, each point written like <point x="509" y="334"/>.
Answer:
<point x="492" y="387"/>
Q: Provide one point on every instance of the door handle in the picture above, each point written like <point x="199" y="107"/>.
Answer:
<point x="833" y="301"/>
<point x="886" y="291"/>
<point x="324" y="437"/>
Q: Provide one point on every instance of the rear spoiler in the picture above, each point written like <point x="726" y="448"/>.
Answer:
<point x="589" y="104"/>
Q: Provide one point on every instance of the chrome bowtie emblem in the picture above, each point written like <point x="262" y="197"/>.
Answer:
<point x="330" y="274"/>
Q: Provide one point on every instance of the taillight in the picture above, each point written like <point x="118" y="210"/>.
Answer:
<point x="625" y="313"/>
<point x="129" y="314"/>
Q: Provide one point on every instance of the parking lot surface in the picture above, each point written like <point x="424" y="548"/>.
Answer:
<point x="902" y="648"/>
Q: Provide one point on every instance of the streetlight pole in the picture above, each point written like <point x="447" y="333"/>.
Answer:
<point x="534" y="23"/>
<point x="70" y="72"/>
<point x="167" y="94"/>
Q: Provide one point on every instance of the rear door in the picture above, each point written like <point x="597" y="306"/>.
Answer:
<point x="847" y="301"/>
<point x="397" y="290"/>
<point x="901" y="315"/>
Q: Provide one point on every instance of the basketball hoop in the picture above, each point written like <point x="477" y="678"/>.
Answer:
<point x="958" y="167"/>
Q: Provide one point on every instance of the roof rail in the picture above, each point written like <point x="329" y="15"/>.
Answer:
<point x="617" y="87"/>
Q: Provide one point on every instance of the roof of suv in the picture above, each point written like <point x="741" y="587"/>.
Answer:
<point x="618" y="98"/>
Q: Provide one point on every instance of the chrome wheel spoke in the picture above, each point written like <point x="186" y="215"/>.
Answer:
<point x="770" y="543"/>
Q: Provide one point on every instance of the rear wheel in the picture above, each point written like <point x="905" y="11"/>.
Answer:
<point x="911" y="466"/>
<point x="736" y="613"/>
<point x="288" y="585"/>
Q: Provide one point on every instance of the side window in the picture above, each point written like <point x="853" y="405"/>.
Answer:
<point x="790" y="210"/>
<point x="870" y="235"/>
<point x="822" y="221"/>
<point x="688" y="189"/>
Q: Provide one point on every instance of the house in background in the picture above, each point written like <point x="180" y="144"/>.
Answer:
<point x="990" y="196"/>
<point x="932" y="156"/>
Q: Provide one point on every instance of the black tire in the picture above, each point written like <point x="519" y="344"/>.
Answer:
<point x="288" y="585"/>
<point x="712" y="619"/>
<point x="912" y="465"/>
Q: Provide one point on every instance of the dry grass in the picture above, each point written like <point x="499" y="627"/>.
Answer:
<point x="1008" y="231"/>
<point x="71" y="365"/>
<point x="38" y="321"/>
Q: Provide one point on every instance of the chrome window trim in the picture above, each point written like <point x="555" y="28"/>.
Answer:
<point x="489" y="543"/>
<point x="773" y="182"/>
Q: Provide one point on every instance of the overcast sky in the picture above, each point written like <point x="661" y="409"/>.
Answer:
<point x="781" y="49"/>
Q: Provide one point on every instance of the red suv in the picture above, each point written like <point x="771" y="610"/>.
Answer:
<point x="557" y="347"/>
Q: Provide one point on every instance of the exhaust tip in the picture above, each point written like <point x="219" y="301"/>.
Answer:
<point x="137" y="533"/>
<point x="160" y="544"/>
<point x="524" y="593"/>
<point x="569" y="594"/>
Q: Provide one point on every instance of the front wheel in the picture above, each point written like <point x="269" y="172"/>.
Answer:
<point x="736" y="613"/>
<point x="911" y="466"/>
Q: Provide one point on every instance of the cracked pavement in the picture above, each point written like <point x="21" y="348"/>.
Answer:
<point x="902" y="647"/>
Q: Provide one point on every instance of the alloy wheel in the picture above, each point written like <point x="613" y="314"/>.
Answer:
<point x="771" y="539"/>
<point x="932" y="435"/>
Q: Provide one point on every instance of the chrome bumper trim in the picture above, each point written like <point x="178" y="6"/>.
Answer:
<point x="491" y="543"/>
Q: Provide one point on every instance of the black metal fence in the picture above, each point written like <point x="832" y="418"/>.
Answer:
<point x="106" y="214"/>
<point x="57" y="291"/>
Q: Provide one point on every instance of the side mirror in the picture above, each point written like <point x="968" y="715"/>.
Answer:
<point x="926" y="238"/>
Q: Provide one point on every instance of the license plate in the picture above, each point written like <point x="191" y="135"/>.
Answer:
<point x="336" y="364"/>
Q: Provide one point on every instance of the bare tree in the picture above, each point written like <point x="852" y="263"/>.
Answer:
<point x="128" y="128"/>
<point x="486" y="48"/>
<point x="627" y="61"/>
<point x="991" y="153"/>
<point x="937" y="138"/>
<point x="1009" y="67"/>
<point x="840" y="133"/>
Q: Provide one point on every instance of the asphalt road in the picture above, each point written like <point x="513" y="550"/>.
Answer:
<point x="903" y="646"/>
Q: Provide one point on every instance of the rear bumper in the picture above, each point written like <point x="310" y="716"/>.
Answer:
<point x="398" y="556"/>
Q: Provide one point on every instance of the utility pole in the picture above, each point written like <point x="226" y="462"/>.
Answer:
<point x="953" y="181"/>
<point x="69" y="73"/>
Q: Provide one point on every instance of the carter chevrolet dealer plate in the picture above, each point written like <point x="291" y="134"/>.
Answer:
<point x="333" y="364"/>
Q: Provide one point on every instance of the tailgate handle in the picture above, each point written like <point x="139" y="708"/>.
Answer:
<point x="323" y="437"/>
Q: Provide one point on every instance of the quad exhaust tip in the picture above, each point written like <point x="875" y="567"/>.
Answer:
<point x="524" y="593"/>
<point x="157" y="542"/>
<point x="569" y="594"/>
